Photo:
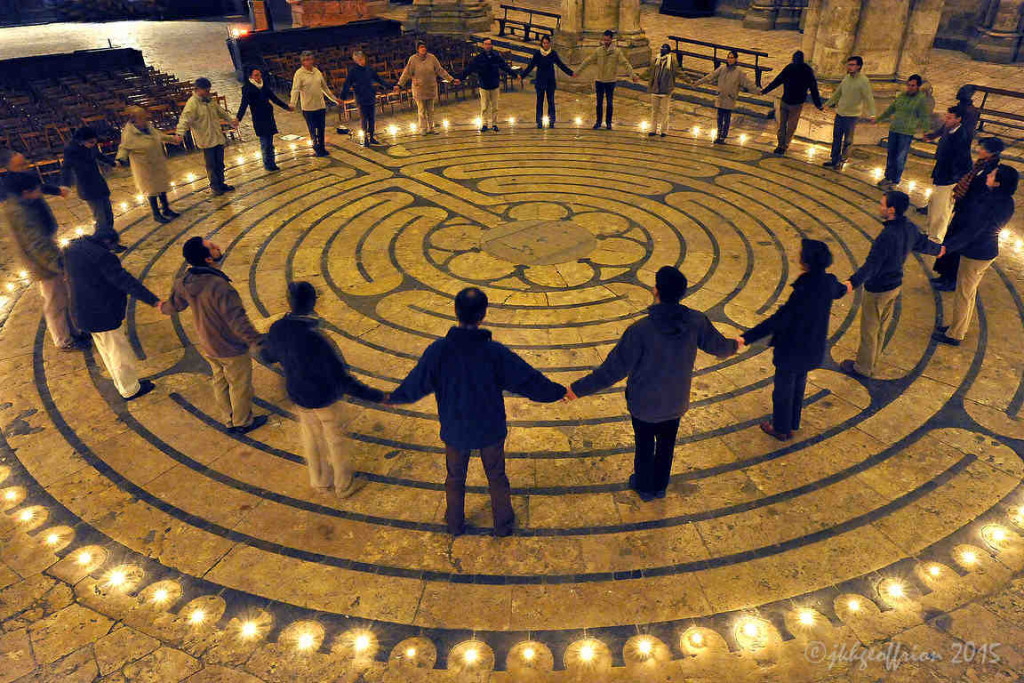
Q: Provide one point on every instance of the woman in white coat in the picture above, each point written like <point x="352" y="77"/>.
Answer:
<point x="143" y="146"/>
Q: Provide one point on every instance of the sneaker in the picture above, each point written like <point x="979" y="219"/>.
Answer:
<point x="256" y="423"/>
<point x="768" y="429"/>
<point x="943" y="338"/>
<point x="145" y="386"/>
<point x="494" y="128"/>
<point x="227" y="188"/>
<point x="849" y="367"/>
<point x="170" y="213"/>
<point x="354" y="487"/>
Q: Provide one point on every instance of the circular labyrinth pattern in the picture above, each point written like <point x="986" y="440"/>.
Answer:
<point x="564" y="232"/>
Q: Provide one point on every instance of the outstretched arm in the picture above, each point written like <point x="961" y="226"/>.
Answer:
<point x="614" y="369"/>
<point x="419" y="382"/>
<point x="520" y="378"/>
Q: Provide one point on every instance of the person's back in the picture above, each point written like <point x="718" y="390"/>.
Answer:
<point x="222" y="325"/>
<point x="81" y="168"/>
<point x="94" y="299"/>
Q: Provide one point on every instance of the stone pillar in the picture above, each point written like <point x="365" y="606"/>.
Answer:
<point x="999" y="31"/>
<point x="449" y="16"/>
<point x="920" y="34"/>
<point x="583" y="22"/>
<point x="810" y="29"/>
<point x="835" y="35"/>
<point x="761" y="15"/>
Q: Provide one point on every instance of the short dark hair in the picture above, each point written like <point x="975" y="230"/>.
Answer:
<point x="1007" y="177"/>
<point x="671" y="284"/>
<point x="956" y="111"/>
<point x="992" y="145"/>
<point x="815" y="254"/>
<point x="733" y="53"/>
<point x="470" y="306"/>
<point x="856" y="58"/>
<point x="21" y="182"/>
<point x="609" y="33"/>
<point x="204" y="82"/>
<point x="84" y="133"/>
<point x="195" y="252"/>
<point x="899" y="201"/>
<point x="965" y="93"/>
<point x="916" y="77"/>
<point x="420" y="43"/>
<point x="798" y="57"/>
<point x="301" y="297"/>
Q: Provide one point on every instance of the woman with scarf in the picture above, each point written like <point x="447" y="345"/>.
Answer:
<point x="142" y="146"/>
<point x="259" y="98"/>
<point x="545" y="60"/>
<point x="730" y="80"/>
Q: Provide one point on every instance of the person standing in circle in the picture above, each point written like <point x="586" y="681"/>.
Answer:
<point x="363" y="80"/>
<point x="203" y="117"/>
<point x="488" y="66"/>
<point x="142" y="146"/>
<point x="852" y="99"/>
<point x="423" y="70"/>
<point x="258" y="97"/>
<point x="796" y="79"/>
<point x="544" y="61"/>
<point x="607" y="58"/>
<point x="311" y="91"/>
<point x="81" y="170"/>
<point x="661" y="83"/>
<point x="730" y="79"/>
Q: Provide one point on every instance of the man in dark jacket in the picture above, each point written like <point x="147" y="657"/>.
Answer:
<point x="17" y="165"/>
<point x="796" y="79"/>
<point x="799" y="331"/>
<point x="467" y="372"/>
<point x="224" y="332"/>
<point x="882" y="277"/>
<point x="952" y="162"/>
<point x="99" y="287"/>
<point x="657" y="354"/>
<point x="544" y="61"/>
<point x="317" y="380"/>
<point x="971" y="188"/>
<point x="260" y="98"/>
<point x="81" y="170"/>
<point x="487" y="66"/>
<point x="363" y="81"/>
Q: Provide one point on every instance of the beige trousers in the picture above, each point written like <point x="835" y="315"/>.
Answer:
<point x="323" y="445"/>
<point x="661" y="106"/>
<point x="425" y="114"/>
<point x="232" y="388"/>
<point x="489" y="106"/>
<point x="789" y="119"/>
<point x="940" y="211"/>
<point x="55" y="309"/>
<point x="875" y="314"/>
<point x="968" y="277"/>
<point x="119" y="360"/>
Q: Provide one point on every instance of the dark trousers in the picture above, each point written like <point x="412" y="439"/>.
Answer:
<point x="896" y="160"/>
<point x="316" y="121"/>
<point x="549" y="94"/>
<point x="605" y="91"/>
<point x="842" y="137"/>
<point x="724" y="119"/>
<point x="652" y="461"/>
<point x="214" y="158"/>
<point x="103" y="218"/>
<point x="368" y="119"/>
<point x="268" y="152"/>
<point x="493" y="458"/>
<point x="788" y="400"/>
<point x="948" y="266"/>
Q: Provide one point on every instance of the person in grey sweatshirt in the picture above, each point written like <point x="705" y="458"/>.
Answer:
<point x="657" y="354"/>
<point x="660" y="84"/>
<point x="730" y="80"/>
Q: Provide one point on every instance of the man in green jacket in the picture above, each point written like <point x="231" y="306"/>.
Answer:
<point x="909" y="113"/>
<point x="607" y="58"/>
<point x="852" y="99"/>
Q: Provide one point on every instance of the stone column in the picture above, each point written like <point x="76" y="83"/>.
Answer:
<point x="761" y="15"/>
<point x="810" y="28"/>
<point x="920" y="34"/>
<point x="449" y="16"/>
<point x="583" y="22"/>
<point x="835" y="37"/>
<point x="998" y="32"/>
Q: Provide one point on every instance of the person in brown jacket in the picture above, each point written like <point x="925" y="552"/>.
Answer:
<point x="225" y="334"/>
<point x="423" y="70"/>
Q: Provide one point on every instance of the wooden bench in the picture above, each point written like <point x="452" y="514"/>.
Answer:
<point x="991" y="116"/>
<point x="718" y="53"/>
<point x="529" y="26"/>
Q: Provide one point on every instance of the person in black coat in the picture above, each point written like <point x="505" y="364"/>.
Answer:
<point x="952" y="162"/>
<point x="363" y="81"/>
<point x="799" y="331"/>
<point x="81" y="170"/>
<point x="796" y="79"/>
<point x="468" y="372"/>
<point x="977" y="242"/>
<point x="544" y="61"/>
<point x="488" y="66"/>
<point x="316" y="380"/>
<point x="98" y="288"/>
<point x="258" y="96"/>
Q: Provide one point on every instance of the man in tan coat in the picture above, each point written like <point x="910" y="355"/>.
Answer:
<point x="225" y="334"/>
<point x="203" y="116"/>
<point x="423" y="70"/>
<point x="142" y="146"/>
<point x="730" y="80"/>
<point x="607" y="58"/>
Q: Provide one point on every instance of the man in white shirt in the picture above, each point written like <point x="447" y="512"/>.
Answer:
<point x="310" y="88"/>
<point x="203" y="116"/>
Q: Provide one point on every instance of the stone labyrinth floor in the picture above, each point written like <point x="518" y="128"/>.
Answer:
<point x="912" y="480"/>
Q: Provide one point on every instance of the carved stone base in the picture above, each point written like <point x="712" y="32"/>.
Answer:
<point x="760" y="17"/>
<point x="574" y="47"/>
<point x="450" y="17"/>
<point x="994" y="46"/>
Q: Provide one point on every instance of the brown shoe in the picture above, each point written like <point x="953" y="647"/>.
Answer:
<point x="768" y="429"/>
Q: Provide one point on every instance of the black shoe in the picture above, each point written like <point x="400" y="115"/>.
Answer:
<point x="322" y="153"/>
<point x="941" y="328"/>
<point x="455" y="533"/>
<point x="944" y="286"/>
<point x="227" y="188"/>
<point x="505" y="531"/>
<point x="216" y="193"/>
<point x="551" y="125"/>
<point x="597" y="125"/>
<point x="494" y="128"/>
<point x="607" y="126"/>
<point x="170" y="213"/>
<point x="645" y="496"/>
<point x="160" y="218"/>
<point x="118" y="248"/>
<point x="652" y="134"/>
<point x="145" y="386"/>
<point x="271" y="169"/>
<point x="256" y="423"/>
<point x="778" y="151"/>
<point x="663" y="134"/>
<point x="830" y="164"/>
<point x="770" y="430"/>
<point x="719" y="141"/>
<point x="849" y="367"/>
<point x="943" y="338"/>
<point x="375" y="141"/>
<point x="484" y="129"/>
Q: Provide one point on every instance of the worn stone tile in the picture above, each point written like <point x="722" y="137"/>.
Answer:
<point x="164" y="664"/>
<point x="122" y="646"/>
<point x="66" y="631"/>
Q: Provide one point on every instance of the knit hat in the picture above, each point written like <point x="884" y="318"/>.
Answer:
<point x="815" y="254"/>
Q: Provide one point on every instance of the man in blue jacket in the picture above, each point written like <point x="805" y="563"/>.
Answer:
<point x="882" y="277"/>
<point x="467" y="372"/>
<point x="81" y="170"/>
<point x="363" y="81"/>
<point x="487" y="66"/>
<point x="952" y="162"/>
<point x="657" y="354"/>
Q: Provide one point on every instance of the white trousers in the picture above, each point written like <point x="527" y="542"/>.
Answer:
<point x="661" y="106"/>
<point x="940" y="211"/>
<point x="119" y="359"/>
